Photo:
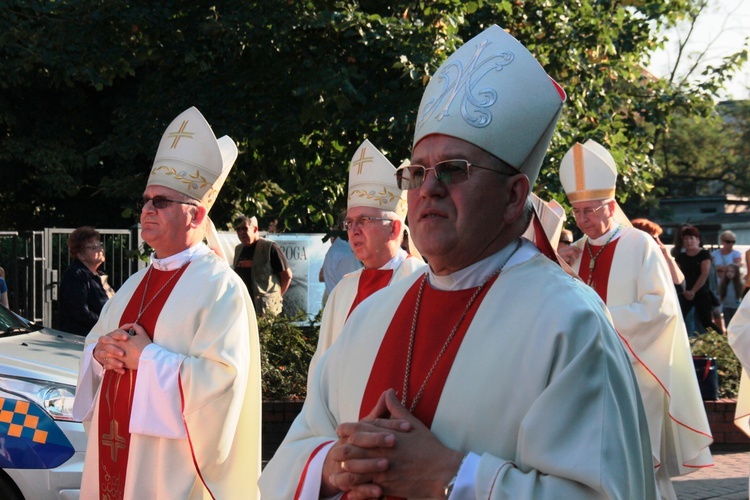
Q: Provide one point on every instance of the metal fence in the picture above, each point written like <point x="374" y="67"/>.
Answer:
<point x="34" y="262"/>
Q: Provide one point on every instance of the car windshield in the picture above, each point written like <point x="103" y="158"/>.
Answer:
<point x="10" y="323"/>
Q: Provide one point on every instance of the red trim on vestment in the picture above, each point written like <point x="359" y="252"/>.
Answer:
<point x="542" y="242"/>
<point x="302" y="478"/>
<point x="370" y="281"/>
<point x="116" y="395"/>
<point x="190" y="441"/>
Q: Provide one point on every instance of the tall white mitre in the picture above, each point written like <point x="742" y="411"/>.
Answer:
<point x="492" y="93"/>
<point x="588" y="172"/>
<point x="372" y="181"/>
<point x="191" y="160"/>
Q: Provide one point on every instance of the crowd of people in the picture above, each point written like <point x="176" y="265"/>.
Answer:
<point x="456" y="357"/>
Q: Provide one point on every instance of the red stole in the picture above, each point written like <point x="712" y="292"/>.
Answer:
<point x="116" y="396"/>
<point x="439" y="312"/>
<point x="370" y="281"/>
<point x="600" y="279"/>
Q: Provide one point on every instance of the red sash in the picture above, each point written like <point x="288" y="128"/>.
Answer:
<point x="438" y="315"/>
<point x="370" y="281"/>
<point x="602" y="268"/>
<point x="116" y="396"/>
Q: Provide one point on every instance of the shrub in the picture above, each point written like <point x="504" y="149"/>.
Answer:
<point x="716" y="345"/>
<point x="286" y="347"/>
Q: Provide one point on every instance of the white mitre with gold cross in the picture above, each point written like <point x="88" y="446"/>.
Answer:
<point x="191" y="160"/>
<point x="494" y="94"/>
<point x="372" y="181"/>
<point x="588" y="172"/>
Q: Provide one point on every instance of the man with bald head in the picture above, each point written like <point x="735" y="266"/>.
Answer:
<point x="492" y="373"/>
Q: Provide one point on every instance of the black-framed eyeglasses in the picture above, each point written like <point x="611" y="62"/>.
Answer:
<point x="95" y="246"/>
<point x="160" y="202"/>
<point x="731" y="242"/>
<point x="448" y="172"/>
<point x="350" y="224"/>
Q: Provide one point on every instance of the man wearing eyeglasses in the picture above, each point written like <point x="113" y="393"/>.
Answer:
<point x="169" y="384"/>
<point x="492" y="373"/>
<point x="376" y="208"/>
<point x="263" y="267"/>
<point x="625" y="267"/>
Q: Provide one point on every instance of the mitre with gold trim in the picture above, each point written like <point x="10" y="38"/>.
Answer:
<point x="372" y="181"/>
<point x="191" y="160"/>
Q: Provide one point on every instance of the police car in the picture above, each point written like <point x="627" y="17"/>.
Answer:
<point x="41" y="446"/>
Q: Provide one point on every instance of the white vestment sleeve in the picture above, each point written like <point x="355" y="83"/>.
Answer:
<point x="157" y="405"/>
<point x="465" y="486"/>
<point x="313" y="478"/>
<point x="91" y="376"/>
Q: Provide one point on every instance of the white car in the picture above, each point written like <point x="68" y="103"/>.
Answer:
<point x="41" y="446"/>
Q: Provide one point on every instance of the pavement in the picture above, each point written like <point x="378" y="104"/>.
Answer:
<point x="727" y="479"/>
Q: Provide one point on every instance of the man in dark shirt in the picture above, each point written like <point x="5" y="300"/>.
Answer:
<point x="262" y="266"/>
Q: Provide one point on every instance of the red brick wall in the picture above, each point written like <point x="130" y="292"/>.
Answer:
<point x="720" y="415"/>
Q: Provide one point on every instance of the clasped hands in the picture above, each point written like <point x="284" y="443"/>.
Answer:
<point x="120" y="351"/>
<point x="389" y="452"/>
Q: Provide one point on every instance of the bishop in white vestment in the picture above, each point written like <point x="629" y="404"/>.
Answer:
<point x="169" y="386"/>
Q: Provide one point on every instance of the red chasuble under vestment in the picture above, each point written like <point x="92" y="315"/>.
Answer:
<point x="439" y="312"/>
<point x="602" y="264"/>
<point x="117" y="390"/>
<point x="370" y="281"/>
<point x="353" y="289"/>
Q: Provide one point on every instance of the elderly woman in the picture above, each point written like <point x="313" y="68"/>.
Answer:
<point x="726" y="254"/>
<point x="83" y="287"/>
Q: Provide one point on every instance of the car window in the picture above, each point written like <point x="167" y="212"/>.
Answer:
<point x="9" y="321"/>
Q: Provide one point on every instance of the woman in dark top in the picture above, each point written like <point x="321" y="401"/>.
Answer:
<point x="83" y="288"/>
<point x="695" y="263"/>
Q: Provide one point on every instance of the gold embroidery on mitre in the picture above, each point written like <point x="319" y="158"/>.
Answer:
<point x="196" y="181"/>
<point x="591" y="194"/>
<point x="361" y="161"/>
<point x="383" y="197"/>
<point x="180" y="134"/>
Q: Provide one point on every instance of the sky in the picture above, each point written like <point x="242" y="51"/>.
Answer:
<point x="723" y="27"/>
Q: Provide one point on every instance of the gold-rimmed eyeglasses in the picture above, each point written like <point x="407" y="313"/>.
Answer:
<point x="350" y="224"/>
<point x="586" y="212"/>
<point x="448" y="172"/>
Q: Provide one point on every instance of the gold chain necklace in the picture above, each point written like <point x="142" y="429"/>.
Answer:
<point x="412" y="335"/>
<point x="141" y="308"/>
<point x="592" y="257"/>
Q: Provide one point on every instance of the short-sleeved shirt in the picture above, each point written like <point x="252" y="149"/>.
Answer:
<point x="691" y="268"/>
<point x="725" y="260"/>
<point x="245" y="263"/>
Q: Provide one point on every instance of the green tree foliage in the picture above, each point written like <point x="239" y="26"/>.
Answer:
<point x="89" y="86"/>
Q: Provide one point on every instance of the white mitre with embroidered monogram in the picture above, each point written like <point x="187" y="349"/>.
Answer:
<point x="191" y="160"/>
<point x="492" y="93"/>
<point x="588" y="172"/>
<point x="372" y="181"/>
